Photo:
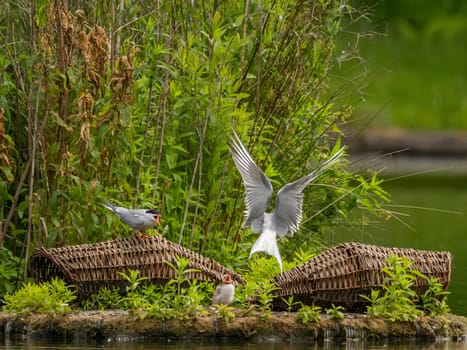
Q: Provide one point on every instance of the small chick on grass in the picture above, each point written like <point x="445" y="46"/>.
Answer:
<point x="225" y="292"/>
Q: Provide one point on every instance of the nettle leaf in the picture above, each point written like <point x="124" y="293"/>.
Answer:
<point x="7" y="173"/>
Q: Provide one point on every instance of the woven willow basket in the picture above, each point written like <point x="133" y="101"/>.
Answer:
<point x="92" y="266"/>
<point x="342" y="274"/>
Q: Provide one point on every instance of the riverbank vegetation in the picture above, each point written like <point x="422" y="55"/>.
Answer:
<point x="182" y="298"/>
<point x="135" y="103"/>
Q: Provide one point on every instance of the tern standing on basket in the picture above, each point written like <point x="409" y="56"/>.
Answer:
<point x="287" y="215"/>
<point x="138" y="219"/>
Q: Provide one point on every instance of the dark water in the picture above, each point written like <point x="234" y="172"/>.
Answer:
<point x="323" y="345"/>
<point x="435" y="208"/>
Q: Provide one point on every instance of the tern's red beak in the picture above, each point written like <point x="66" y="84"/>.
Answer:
<point x="157" y="219"/>
<point x="227" y="279"/>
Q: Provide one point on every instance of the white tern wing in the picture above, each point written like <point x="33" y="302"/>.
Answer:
<point x="257" y="186"/>
<point x="287" y="215"/>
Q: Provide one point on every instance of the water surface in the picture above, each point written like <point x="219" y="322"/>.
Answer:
<point x="184" y="345"/>
<point x="433" y="211"/>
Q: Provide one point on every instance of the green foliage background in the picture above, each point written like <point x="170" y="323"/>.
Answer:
<point x="135" y="102"/>
<point x="409" y="71"/>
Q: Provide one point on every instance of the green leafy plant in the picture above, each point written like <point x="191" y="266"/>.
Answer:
<point x="290" y="302"/>
<point x="161" y="312"/>
<point x="181" y="269"/>
<point x="180" y="297"/>
<point x="265" y="297"/>
<point x="9" y="274"/>
<point x="258" y="287"/>
<point x="301" y="255"/>
<point x="398" y="300"/>
<point x="433" y="300"/>
<point x="335" y="312"/>
<point x="307" y="314"/>
<point x="104" y="299"/>
<point x="47" y="298"/>
<point x="225" y="312"/>
<point x="160" y="302"/>
<point x="133" y="280"/>
<point x="133" y="299"/>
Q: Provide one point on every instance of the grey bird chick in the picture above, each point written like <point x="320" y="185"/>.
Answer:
<point x="225" y="292"/>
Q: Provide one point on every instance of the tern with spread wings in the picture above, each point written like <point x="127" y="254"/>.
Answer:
<point x="287" y="215"/>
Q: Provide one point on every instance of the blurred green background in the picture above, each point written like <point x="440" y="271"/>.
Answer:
<point x="405" y="66"/>
<point x="410" y="69"/>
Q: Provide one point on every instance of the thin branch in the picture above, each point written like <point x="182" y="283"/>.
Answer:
<point x="198" y="161"/>
<point x="145" y="141"/>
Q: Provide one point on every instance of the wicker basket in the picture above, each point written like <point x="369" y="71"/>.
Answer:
<point x="92" y="266"/>
<point x="342" y="274"/>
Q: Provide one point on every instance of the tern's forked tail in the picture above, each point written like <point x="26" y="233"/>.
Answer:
<point x="267" y="243"/>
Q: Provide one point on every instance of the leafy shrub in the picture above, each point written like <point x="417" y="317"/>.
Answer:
<point x="335" y="312"/>
<point x="179" y="298"/>
<point x="291" y="303"/>
<point x="307" y="314"/>
<point x="433" y="300"/>
<point x="224" y="312"/>
<point x="398" y="301"/>
<point x="9" y="265"/>
<point x="104" y="299"/>
<point x="47" y="298"/>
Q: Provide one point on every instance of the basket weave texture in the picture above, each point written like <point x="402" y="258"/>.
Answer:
<point x="92" y="266"/>
<point x="342" y="274"/>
